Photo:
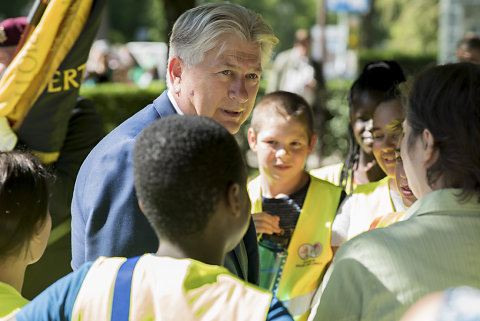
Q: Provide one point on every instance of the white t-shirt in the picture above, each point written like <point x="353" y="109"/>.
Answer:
<point x="360" y="208"/>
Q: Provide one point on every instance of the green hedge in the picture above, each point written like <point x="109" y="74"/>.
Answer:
<point x="116" y="102"/>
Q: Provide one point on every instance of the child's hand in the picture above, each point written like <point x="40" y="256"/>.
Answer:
<point x="266" y="223"/>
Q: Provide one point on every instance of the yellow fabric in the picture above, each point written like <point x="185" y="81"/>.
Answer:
<point x="367" y="202"/>
<point x="47" y="158"/>
<point x="164" y="288"/>
<point x="28" y="74"/>
<point x="332" y="174"/>
<point x="386" y="220"/>
<point x="309" y="250"/>
<point x="10" y="299"/>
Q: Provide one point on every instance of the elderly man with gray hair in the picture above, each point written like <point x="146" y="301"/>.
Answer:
<point x="217" y="52"/>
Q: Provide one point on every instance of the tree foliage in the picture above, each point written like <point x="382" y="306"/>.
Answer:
<point x="9" y="9"/>
<point x="404" y="25"/>
<point x="285" y="16"/>
<point x="411" y="25"/>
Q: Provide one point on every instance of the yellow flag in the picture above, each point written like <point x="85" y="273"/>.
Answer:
<point x="28" y="74"/>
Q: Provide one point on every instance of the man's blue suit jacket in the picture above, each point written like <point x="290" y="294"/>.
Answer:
<point x="106" y="219"/>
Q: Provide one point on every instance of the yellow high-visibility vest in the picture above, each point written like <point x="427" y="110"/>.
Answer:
<point x="163" y="288"/>
<point x="386" y="220"/>
<point x="369" y="201"/>
<point x="309" y="250"/>
<point x="10" y="300"/>
<point x="332" y="173"/>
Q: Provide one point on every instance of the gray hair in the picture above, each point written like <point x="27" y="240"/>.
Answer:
<point x="197" y="30"/>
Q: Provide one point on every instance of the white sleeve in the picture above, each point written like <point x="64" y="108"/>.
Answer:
<point x="341" y="223"/>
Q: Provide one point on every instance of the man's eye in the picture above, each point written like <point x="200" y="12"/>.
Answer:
<point x="252" y="76"/>
<point x="226" y="72"/>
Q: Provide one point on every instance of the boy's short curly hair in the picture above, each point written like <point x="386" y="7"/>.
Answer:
<point x="182" y="168"/>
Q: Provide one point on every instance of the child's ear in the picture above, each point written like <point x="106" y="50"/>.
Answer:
<point x="252" y="139"/>
<point x="39" y="239"/>
<point x="234" y="198"/>
<point x="313" y="140"/>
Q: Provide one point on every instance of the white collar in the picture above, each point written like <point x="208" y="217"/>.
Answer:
<point x="174" y="103"/>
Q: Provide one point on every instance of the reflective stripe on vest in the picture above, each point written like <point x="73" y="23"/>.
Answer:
<point x="163" y="288"/>
<point x="300" y="305"/>
<point x="309" y="250"/>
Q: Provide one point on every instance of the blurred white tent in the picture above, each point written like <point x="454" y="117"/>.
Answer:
<point x="149" y="55"/>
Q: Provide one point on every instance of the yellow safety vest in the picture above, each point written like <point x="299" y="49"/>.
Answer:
<point x="164" y="288"/>
<point x="332" y="174"/>
<point x="386" y="220"/>
<point x="10" y="300"/>
<point x="309" y="251"/>
<point x="368" y="201"/>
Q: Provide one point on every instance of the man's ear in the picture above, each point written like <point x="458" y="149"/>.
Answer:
<point x="430" y="152"/>
<point x="252" y="139"/>
<point x="175" y="69"/>
<point x="313" y="140"/>
<point x="234" y="199"/>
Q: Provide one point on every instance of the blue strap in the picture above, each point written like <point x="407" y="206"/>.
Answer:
<point x="122" y="290"/>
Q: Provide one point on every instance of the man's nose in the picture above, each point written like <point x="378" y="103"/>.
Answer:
<point x="238" y="90"/>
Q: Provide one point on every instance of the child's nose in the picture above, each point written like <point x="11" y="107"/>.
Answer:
<point x="281" y="152"/>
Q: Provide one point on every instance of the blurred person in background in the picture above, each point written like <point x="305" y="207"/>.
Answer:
<point x="295" y="70"/>
<point x="468" y="49"/>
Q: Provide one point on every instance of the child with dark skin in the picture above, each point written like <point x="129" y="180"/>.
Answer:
<point x="360" y="166"/>
<point x="190" y="179"/>
<point x="373" y="200"/>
